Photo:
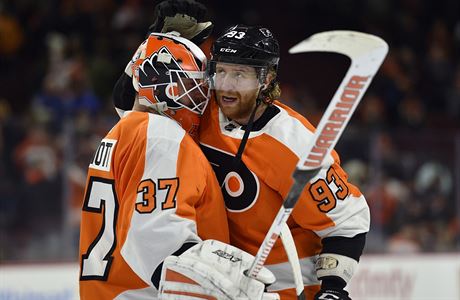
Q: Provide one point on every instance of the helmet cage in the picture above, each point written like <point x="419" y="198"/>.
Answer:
<point x="193" y="84"/>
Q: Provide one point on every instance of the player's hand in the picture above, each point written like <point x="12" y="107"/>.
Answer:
<point x="213" y="269"/>
<point x="332" y="294"/>
<point x="188" y="17"/>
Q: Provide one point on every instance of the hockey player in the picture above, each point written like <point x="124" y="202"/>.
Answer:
<point x="254" y="142"/>
<point x="151" y="193"/>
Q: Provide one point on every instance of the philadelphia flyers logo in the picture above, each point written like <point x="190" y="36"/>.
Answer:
<point x="155" y="72"/>
<point x="265" y="32"/>
<point x="240" y="186"/>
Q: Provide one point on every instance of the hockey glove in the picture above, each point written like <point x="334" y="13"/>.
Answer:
<point x="213" y="270"/>
<point x="332" y="294"/>
<point x="334" y="271"/>
<point x="332" y="289"/>
<point x="186" y="17"/>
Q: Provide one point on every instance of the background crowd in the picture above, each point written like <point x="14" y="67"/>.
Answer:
<point x="59" y="60"/>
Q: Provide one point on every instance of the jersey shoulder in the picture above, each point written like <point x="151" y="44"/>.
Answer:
<point x="291" y="120"/>
<point x="294" y="114"/>
<point x="290" y="128"/>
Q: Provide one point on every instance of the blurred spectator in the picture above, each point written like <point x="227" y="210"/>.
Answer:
<point x="11" y="35"/>
<point x="432" y="178"/>
<point x="373" y="112"/>
<point x="389" y="155"/>
<point x="404" y="241"/>
<point x="383" y="206"/>
<point x="39" y="193"/>
<point x="412" y="112"/>
<point x="66" y="89"/>
<point x="36" y="157"/>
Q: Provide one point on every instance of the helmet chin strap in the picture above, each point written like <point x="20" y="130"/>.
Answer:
<point x="247" y="131"/>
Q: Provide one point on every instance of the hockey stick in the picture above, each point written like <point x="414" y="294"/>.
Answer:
<point x="291" y="251"/>
<point x="367" y="53"/>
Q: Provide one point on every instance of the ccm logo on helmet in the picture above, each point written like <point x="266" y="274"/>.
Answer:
<point x="228" y="50"/>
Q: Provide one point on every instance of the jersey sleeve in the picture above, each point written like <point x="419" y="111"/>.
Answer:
<point x="330" y="205"/>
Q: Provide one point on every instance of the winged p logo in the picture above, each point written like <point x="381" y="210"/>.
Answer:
<point x="155" y="72"/>
<point x="265" y="32"/>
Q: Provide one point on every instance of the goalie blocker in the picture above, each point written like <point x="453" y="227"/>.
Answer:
<point x="213" y="270"/>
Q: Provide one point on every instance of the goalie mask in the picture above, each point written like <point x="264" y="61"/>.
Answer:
<point x="168" y="74"/>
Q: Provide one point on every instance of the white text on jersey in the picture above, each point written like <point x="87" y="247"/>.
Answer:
<point x="103" y="157"/>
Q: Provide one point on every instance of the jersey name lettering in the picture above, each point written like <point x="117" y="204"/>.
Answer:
<point x="103" y="157"/>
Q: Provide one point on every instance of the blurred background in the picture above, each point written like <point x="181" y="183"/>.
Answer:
<point x="60" y="59"/>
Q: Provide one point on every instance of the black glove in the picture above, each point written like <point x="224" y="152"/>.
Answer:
<point x="332" y="289"/>
<point x="188" y="17"/>
<point x="123" y="93"/>
<point x="330" y="294"/>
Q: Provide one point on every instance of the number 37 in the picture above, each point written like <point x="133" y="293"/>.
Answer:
<point x="101" y="198"/>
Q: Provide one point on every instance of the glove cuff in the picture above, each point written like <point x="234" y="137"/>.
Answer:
<point x="330" y="264"/>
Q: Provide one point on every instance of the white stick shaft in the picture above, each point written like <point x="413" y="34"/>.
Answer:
<point x="293" y="257"/>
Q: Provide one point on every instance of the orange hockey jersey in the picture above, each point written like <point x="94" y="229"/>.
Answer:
<point x="150" y="190"/>
<point x="255" y="188"/>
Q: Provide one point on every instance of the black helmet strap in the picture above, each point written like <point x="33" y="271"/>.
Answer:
<point x="247" y="131"/>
